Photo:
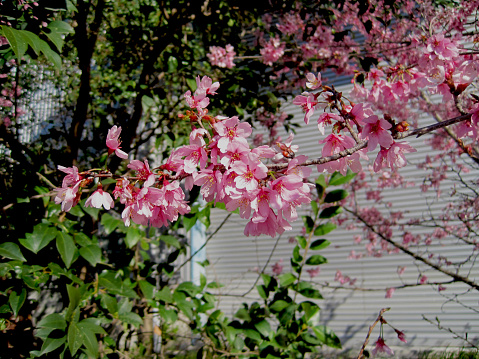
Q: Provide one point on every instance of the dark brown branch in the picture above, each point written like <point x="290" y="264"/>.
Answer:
<point x="347" y="152"/>
<point x="85" y="40"/>
<point x="455" y="276"/>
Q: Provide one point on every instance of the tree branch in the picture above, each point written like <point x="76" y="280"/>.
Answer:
<point x="455" y="276"/>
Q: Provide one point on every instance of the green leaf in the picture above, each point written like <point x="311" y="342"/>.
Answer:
<point x="243" y="314"/>
<point x="319" y="244"/>
<point x="286" y="279"/>
<point x="61" y="27"/>
<point x="147" y="102"/>
<point x="264" y="328"/>
<point x="54" y="321"/>
<point x="262" y="291"/>
<point x="91" y="343"/>
<point x="311" y="293"/>
<point x="316" y="260"/>
<point x="81" y="238"/>
<point x="16" y="40"/>
<point x="114" y="285"/>
<point x="172" y="64"/>
<point x="296" y="256"/>
<point x="131" y="318"/>
<point x="204" y="216"/>
<point x="75" y="338"/>
<point x="310" y="309"/>
<point x="92" y="211"/>
<point x="147" y="289"/>
<point x="189" y="220"/>
<point x="171" y="240"/>
<point x="110" y="303"/>
<point x="191" y="84"/>
<point x="279" y="305"/>
<point x="253" y="334"/>
<point x="315" y="208"/>
<point x="91" y="324"/>
<point x="336" y="195"/>
<point x="321" y="186"/>
<point x="74" y="295"/>
<point x="34" y="41"/>
<point x="308" y="223"/>
<point x="132" y="237"/>
<point x="109" y="223"/>
<point x="67" y="249"/>
<point x="169" y="315"/>
<point x="11" y="251"/>
<point x="311" y="339"/>
<point x="16" y="301"/>
<point x="92" y="254"/>
<point x="189" y="288"/>
<point x="302" y="241"/>
<point x="50" y="344"/>
<point x="338" y="179"/>
<point x="164" y="295"/>
<point x="325" y="228"/>
<point x="57" y="30"/>
<point x="331" y="212"/>
<point x="327" y="336"/>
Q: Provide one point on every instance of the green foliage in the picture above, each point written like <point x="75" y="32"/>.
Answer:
<point x="112" y="297"/>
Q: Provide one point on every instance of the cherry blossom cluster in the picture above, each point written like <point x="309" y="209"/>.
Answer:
<point x="222" y="56"/>
<point x="343" y="115"/>
<point x="219" y="159"/>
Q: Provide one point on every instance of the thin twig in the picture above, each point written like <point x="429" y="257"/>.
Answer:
<point x="204" y="244"/>
<point x="455" y="276"/>
<point x="378" y="319"/>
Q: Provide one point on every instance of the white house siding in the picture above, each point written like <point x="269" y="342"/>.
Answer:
<point x="236" y="259"/>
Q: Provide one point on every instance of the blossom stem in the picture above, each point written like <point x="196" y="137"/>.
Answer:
<point x="366" y="341"/>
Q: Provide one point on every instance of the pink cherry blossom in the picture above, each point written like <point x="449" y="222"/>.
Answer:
<point x="100" y="198"/>
<point x="278" y="267"/>
<point x="313" y="81"/>
<point x="206" y="85"/>
<point x="314" y="272"/>
<point x="232" y="131"/>
<point x="272" y="51"/>
<point x="123" y="190"/>
<point x="284" y="190"/>
<point x="375" y="130"/>
<point x="197" y="101"/>
<point x="113" y="142"/>
<point x="249" y="173"/>
<point x="393" y="157"/>
<point x="222" y="57"/>
<point x="294" y="167"/>
<point x="308" y="102"/>
<point x="334" y="144"/>
<point x="195" y="155"/>
<point x="327" y="118"/>
<point x="401" y="335"/>
<point x="143" y="171"/>
<point x="68" y="196"/>
<point x="390" y="292"/>
<point x="209" y="180"/>
<point x="442" y="47"/>
<point x="381" y="347"/>
<point x="241" y="200"/>
<point x="72" y="176"/>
